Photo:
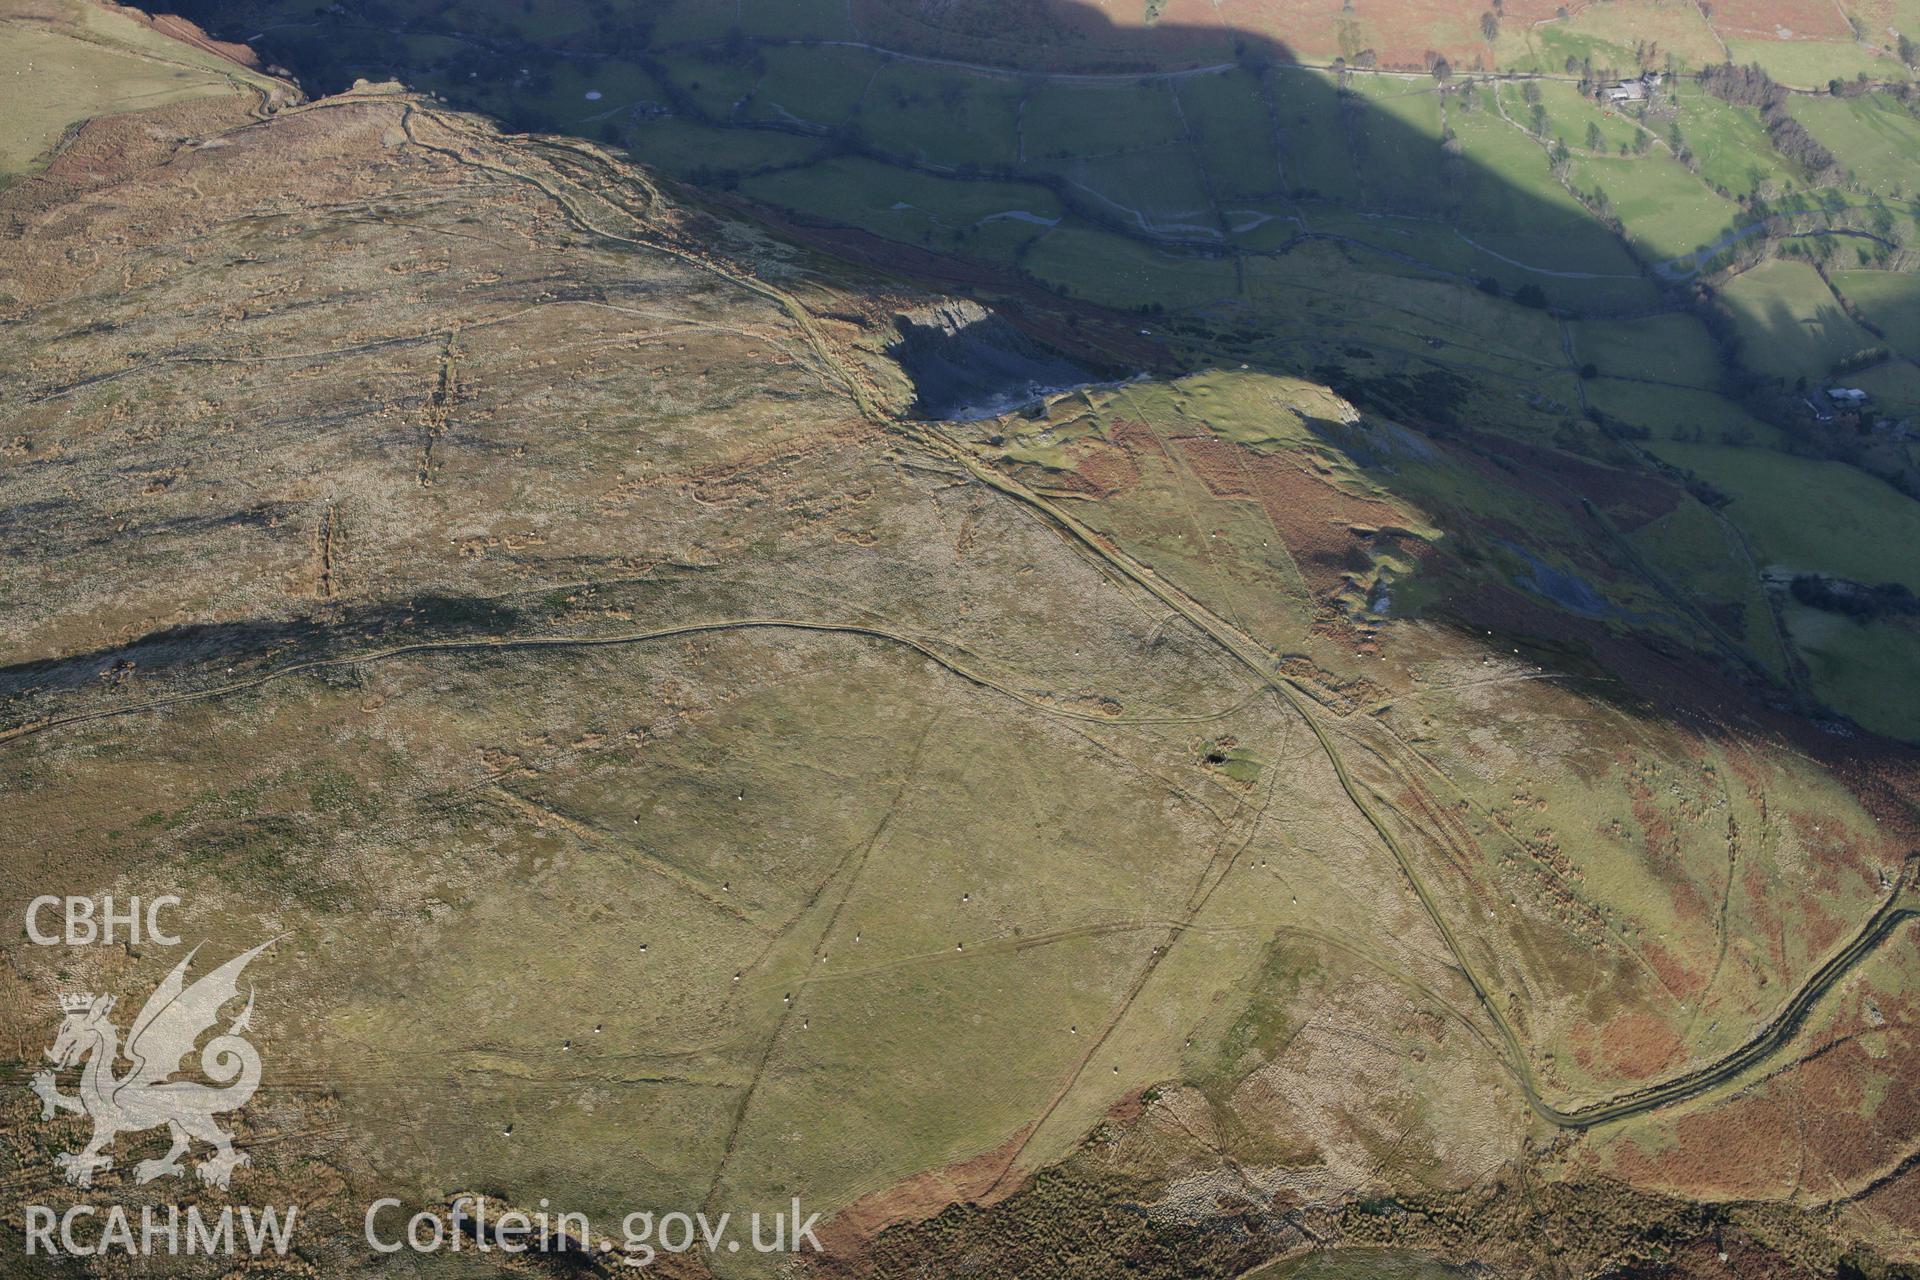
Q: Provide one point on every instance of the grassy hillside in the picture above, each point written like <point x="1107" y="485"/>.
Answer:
<point x="1520" y="243"/>
<point x="1792" y="325"/>
<point x="1347" y="763"/>
<point x="67" y="61"/>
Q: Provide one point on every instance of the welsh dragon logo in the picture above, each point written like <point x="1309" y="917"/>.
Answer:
<point x="146" y="1096"/>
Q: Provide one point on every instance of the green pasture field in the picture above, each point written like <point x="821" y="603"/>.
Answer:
<point x="1700" y="554"/>
<point x="1679" y="414"/>
<point x="548" y="20"/>
<point x="690" y="24"/>
<point x="1432" y="244"/>
<point x="1790" y="324"/>
<point x="1811" y="516"/>
<point x="619" y="83"/>
<point x="1677" y="29"/>
<point x="1462" y="316"/>
<point x="1809" y="64"/>
<point x="431" y="51"/>
<point x="1313" y="140"/>
<point x="1396" y="139"/>
<point x="1890" y="300"/>
<point x="1162" y="190"/>
<point x="1507" y="351"/>
<point x="1873" y="137"/>
<point x="796" y="19"/>
<point x="685" y="147"/>
<point x="943" y="117"/>
<point x="1261" y="225"/>
<point x="1728" y="141"/>
<point x="1293" y="293"/>
<point x="1666" y="210"/>
<point x="1557" y="257"/>
<point x="1597" y="276"/>
<point x="1672" y="348"/>
<point x="909" y="206"/>
<point x="820" y="85"/>
<point x="1064" y="119"/>
<point x="1901" y="15"/>
<point x="1438" y="247"/>
<point x="716" y="85"/>
<point x="1505" y="183"/>
<point x="1509" y="97"/>
<point x="1894" y="386"/>
<point x="1112" y="269"/>
<point x="1569" y="112"/>
<point x="1233" y="133"/>
<point x="1864" y="669"/>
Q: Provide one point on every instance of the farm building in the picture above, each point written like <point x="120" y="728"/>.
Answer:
<point x="1847" y="397"/>
<point x="1636" y="90"/>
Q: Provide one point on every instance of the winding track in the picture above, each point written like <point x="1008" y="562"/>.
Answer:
<point x="1902" y="902"/>
<point x="512" y="644"/>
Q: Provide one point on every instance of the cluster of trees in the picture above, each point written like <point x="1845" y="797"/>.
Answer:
<point x="1791" y="139"/>
<point x="1490" y="21"/>
<point x="1854" y="599"/>
<point x="1536" y="110"/>
<point x="1749" y="86"/>
<point x="1527" y="295"/>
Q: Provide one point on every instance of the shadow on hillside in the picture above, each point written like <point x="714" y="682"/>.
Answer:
<point x="1335" y="159"/>
<point x="1331" y="147"/>
<point x="202" y="646"/>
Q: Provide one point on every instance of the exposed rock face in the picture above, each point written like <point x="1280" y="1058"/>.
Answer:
<point x="966" y="362"/>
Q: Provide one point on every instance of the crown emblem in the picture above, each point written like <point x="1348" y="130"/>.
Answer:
<point x="169" y="1028"/>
